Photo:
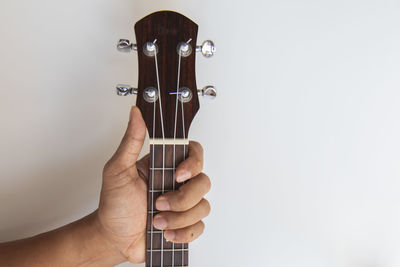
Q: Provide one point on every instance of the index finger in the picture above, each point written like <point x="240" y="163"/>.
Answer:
<point x="191" y="166"/>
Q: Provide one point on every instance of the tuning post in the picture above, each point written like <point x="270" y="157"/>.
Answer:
<point x="207" y="48"/>
<point x="124" y="90"/>
<point x="150" y="49"/>
<point x="150" y="94"/>
<point x="184" y="94"/>
<point x="125" y="46"/>
<point x="208" y="91"/>
<point x="184" y="49"/>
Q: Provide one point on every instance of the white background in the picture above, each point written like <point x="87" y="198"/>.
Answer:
<point x="302" y="143"/>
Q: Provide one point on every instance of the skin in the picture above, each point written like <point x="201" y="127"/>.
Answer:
<point x="115" y="232"/>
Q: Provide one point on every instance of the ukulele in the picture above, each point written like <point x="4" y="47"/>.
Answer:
<point x="167" y="96"/>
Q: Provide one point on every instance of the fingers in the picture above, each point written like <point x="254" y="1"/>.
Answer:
<point x="131" y="144"/>
<point x="187" y="196"/>
<point x="193" y="165"/>
<point x="185" y="235"/>
<point x="178" y="220"/>
<point x="182" y="210"/>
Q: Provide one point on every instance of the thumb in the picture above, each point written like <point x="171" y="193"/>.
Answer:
<point x="132" y="142"/>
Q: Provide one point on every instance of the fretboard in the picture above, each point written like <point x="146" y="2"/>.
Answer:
<point x="163" y="161"/>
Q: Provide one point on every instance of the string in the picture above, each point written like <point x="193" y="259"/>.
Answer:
<point x="175" y="126"/>
<point x="184" y="151"/>
<point x="184" y="157"/>
<point x="163" y="150"/>
<point x="152" y="186"/>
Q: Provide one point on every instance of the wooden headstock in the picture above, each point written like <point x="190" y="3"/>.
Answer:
<point x="168" y="74"/>
<point x="168" y="29"/>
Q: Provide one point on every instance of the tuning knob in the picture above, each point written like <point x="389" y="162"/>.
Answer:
<point x="208" y="91"/>
<point x="125" y="46"/>
<point x="124" y="90"/>
<point x="207" y="48"/>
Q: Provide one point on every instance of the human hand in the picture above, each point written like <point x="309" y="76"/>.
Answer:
<point x="122" y="210"/>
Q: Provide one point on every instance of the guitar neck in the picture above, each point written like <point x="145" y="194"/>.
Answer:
<point x="163" y="162"/>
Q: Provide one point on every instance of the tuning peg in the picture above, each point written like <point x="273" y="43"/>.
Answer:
<point x="126" y="46"/>
<point x="207" y="48"/>
<point x="124" y="90"/>
<point x="208" y="91"/>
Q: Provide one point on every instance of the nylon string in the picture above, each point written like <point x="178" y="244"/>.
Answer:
<point x="175" y="123"/>
<point x="152" y="187"/>
<point x="163" y="150"/>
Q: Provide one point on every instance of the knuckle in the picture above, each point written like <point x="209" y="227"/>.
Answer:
<point x="197" y="146"/>
<point x="200" y="147"/>
<point x="207" y="182"/>
<point x="207" y="206"/>
<point x="194" y="144"/>
<point x="199" y="164"/>
<point x="179" y="202"/>
<point x="202" y="227"/>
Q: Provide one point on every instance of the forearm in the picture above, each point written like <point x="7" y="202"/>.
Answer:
<point x="77" y="244"/>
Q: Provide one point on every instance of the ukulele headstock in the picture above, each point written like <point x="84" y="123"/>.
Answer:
<point x="167" y="93"/>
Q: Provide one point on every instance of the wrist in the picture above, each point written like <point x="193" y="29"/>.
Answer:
<point x="80" y="243"/>
<point x="106" y="251"/>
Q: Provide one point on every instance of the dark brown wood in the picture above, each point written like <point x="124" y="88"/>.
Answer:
<point x="169" y="28"/>
<point x="162" y="180"/>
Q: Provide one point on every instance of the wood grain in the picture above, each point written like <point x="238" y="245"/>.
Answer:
<point x="169" y="28"/>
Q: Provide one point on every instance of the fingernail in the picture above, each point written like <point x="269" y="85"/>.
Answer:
<point x="162" y="204"/>
<point x="159" y="222"/>
<point x="169" y="235"/>
<point x="183" y="176"/>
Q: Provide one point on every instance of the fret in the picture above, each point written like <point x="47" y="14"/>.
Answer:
<point x="167" y="250"/>
<point x="153" y="211"/>
<point x="163" y="169"/>
<point x="160" y="190"/>
<point x="155" y="232"/>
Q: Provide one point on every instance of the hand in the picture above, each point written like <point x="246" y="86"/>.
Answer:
<point x="123" y="202"/>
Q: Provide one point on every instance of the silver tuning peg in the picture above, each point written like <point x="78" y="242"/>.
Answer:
<point x="124" y="90"/>
<point x="207" y="48"/>
<point x="126" y="46"/>
<point x="208" y="91"/>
